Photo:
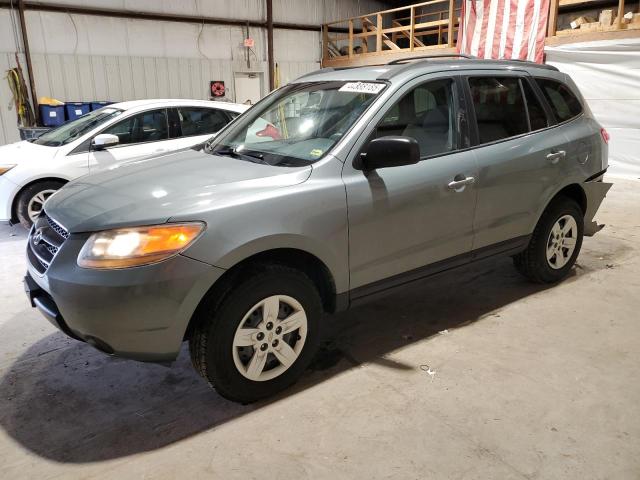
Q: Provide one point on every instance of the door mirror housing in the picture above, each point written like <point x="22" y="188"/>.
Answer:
<point x="104" y="140"/>
<point x="391" y="151"/>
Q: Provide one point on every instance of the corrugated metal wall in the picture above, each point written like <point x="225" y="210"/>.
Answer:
<point x="81" y="57"/>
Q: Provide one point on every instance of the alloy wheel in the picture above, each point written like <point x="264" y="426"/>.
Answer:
<point x="562" y="242"/>
<point x="36" y="203"/>
<point x="270" y="338"/>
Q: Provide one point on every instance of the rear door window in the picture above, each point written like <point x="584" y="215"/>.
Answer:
<point x="499" y="107"/>
<point x="201" y="121"/>
<point x="563" y="102"/>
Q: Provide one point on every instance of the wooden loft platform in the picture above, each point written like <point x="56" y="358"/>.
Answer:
<point x="613" y="34"/>
<point x="618" y="29"/>
<point x="393" y="34"/>
<point x="404" y="32"/>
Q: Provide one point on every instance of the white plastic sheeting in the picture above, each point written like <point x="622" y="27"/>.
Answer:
<point x="608" y="75"/>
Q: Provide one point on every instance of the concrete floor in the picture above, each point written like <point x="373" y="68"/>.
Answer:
<point x="474" y="374"/>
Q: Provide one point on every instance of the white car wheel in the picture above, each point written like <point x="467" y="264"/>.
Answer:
<point x="30" y="201"/>
<point x="35" y="205"/>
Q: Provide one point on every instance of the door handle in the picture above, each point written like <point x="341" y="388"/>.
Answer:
<point x="554" y="157"/>
<point x="457" y="185"/>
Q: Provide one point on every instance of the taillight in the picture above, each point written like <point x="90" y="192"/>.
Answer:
<point x="605" y="135"/>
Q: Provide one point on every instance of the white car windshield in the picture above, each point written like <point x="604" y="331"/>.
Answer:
<point x="298" y="124"/>
<point x="71" y="131"/>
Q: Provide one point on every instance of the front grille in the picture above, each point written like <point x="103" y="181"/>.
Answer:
<point x="45" y="239"/>
<point x="58" y="228"/>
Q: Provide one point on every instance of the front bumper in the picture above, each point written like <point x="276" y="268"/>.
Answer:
<point x="7" y="192"/>
<point x="140" y="313"/>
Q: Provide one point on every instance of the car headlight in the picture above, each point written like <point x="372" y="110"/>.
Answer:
<point x="132" y="247"/>
<point x="4" y="167"/>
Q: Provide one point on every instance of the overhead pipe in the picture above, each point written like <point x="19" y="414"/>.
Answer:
<point x="160" y="17"/>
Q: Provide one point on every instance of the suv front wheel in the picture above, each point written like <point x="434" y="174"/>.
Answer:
<point x="260" y="337"/>
<point x="555" y="243"/>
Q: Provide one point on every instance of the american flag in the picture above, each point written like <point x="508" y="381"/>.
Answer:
<point x="511" y="29"/>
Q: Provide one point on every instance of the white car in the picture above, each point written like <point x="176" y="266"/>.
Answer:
<point x="31" y="171"/>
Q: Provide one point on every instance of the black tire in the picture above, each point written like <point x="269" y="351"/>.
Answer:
<point x="532" y="263"/>
<point x="25" y="196"/>
<point x="211" y="342"/>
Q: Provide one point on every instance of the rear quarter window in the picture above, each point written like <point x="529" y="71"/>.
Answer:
<point x="563" y="102"/>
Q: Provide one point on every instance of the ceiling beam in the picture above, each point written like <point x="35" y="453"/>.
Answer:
<point x="159" y="17"/>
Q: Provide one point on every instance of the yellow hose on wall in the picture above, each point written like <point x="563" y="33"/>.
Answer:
<point x="20" y="98"/>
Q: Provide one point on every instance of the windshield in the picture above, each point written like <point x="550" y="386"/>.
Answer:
<point x="298" y="125"/>
<point x="72" y="130"/>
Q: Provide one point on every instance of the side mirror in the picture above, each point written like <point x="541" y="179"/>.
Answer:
<point x="390" y="152"/>
<point x="104" y="140"/>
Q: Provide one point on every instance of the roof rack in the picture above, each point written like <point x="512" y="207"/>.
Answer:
<point x="324" y="70"/>
<point x="533" y="64"/>
<point x="423" y="57"/>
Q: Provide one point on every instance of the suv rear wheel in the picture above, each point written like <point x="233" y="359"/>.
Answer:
<point x="260" y="337"/>
<point x="31" y="200"/>
<point x="555" y="243"/>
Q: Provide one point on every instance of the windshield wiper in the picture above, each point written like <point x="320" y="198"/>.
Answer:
<point x="257" y="155"/>
<point x="232" y="152"/>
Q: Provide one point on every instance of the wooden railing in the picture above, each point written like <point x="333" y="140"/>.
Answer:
<point x="609" y="27"/>
<point x="423" y="26"/>
<point x="379" y="37"/>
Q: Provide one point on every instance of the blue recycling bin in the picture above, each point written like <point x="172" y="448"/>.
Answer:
<point x="51" y="116"/>
<point x="99" y="104"/>
<point x="75" y="110"/>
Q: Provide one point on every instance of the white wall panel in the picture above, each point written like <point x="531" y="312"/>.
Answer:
<point x="99" y="74"/>
<point x="7" y="43"/>
<point x="296" y="46"/>
<point x="323" y="11"/>
<point x="85" y="74"/>
<point x="84" y="58"/>
<point x="162" y="78"/>
<point x="245" y="9"/>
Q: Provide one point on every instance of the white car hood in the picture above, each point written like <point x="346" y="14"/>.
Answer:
<point x="21" y="152"/>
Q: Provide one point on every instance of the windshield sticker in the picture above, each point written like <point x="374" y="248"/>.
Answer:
<point x="362" y="87"/>
<point x="316" y="152"/>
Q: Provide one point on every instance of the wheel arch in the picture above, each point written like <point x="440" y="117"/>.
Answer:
<point x="14" y="200"/>
<point x="573" y="191"/>
<point x="302" y="260"/>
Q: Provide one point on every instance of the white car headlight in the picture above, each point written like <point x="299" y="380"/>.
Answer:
<point x="132" y="247"/>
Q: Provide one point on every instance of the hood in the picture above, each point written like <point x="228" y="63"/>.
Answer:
<point x="152" y="190"/>
<point x="20" y="152"/>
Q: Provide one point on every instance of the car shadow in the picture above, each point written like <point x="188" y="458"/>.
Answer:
<point x="67" y="402"/>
